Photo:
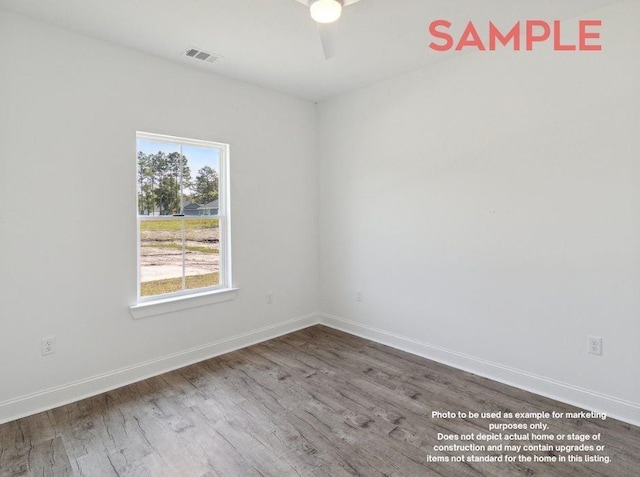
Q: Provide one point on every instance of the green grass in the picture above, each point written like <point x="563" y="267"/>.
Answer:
<point x="177" y="246"/>
<point x="176" y="225"/>
<point x="170" y="285"/>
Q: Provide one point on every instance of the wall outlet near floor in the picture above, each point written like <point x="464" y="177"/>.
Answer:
<point x="48" y="345"/>
<point x="269" y="297"/>
<point x="358" y="296"/>
<point x="594" y="345"/>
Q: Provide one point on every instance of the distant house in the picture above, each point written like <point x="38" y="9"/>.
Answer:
<point x="209" y="209"/>
<point x="191" y="209"/>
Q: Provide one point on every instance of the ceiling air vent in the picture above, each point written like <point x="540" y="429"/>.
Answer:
<point x="197" y="54"/>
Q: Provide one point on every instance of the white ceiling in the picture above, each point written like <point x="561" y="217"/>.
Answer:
<point x="274" y="43"/>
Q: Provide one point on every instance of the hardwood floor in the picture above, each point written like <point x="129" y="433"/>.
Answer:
<point x="317" y="402"/>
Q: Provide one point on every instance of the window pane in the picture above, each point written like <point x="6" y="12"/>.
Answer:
<point x="159" y="178"/>
<point x="202" y="188"/>
<point x="160" y="256"/>
<point x="202" y="253"/>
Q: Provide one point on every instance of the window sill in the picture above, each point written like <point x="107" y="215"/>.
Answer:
<point x="170" y="305"/>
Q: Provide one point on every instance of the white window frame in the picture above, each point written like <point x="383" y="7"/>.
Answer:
<point x="146" y="305"/>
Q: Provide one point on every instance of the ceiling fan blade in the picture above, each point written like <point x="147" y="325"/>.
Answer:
<point x="326" y="40"/>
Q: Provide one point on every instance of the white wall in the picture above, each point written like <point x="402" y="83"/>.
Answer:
<point x="69" y="109"/>
<point x="489" y="206"/>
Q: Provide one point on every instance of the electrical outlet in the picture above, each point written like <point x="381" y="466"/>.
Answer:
<point x="48" y="345"/>
<point x="269" y="298"/>
<point x="359" y="296"/>
<point x="594" y="345"/>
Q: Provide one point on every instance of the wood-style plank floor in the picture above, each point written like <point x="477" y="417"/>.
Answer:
<point x="317" y="402"/>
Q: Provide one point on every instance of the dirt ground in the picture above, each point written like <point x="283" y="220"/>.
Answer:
<point x="161" y="262"/>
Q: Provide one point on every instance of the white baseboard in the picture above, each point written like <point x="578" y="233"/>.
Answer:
<point x="60" y="395"/>
<point x="75" y="391"/>
<point x="615" y="408"/>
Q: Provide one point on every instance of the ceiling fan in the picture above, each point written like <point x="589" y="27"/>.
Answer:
<point x="325" y="12"/>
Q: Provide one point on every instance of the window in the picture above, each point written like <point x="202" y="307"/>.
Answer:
<point x="183" y="220"/>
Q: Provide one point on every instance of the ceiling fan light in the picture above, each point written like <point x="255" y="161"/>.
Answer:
<point x="326" y="11"/>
